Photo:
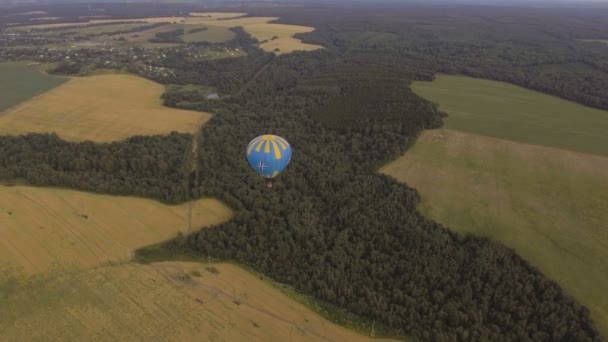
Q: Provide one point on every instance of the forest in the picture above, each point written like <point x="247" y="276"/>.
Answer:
<point x="154" y="167"/>
<point x="331" y="227"/>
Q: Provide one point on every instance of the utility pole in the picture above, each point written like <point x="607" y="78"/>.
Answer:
<point x="189" y="216"/>
<point x="373" y="326"/>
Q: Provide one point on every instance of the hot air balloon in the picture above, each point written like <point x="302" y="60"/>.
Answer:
<point x="268" y="155"/>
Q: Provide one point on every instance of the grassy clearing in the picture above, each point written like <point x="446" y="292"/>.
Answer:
<point x="509" y="112"/>
<point x="258" y="27"/>
<point x="100" y="108"/>
<point x="172" y="301"/>
<point x="40" y="227"/>
<point x="20" y="82"/>
<point x="213" y="34"/>
<point x="550" y="205"/>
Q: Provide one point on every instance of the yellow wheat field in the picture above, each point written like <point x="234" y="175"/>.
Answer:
<point x="259" y="27"/>
<point x="159" y="302"/>
<point x="40" y="227"/>
<point x="100" y="108"/>
<point x="65" y="276"/>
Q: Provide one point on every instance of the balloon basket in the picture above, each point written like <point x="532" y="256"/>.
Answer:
<point x="269" y="183"/>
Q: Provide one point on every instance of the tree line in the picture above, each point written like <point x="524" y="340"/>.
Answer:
<point x="155" y="167"/>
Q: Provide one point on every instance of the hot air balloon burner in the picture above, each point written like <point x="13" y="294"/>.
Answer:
<point x="269" y="183"/>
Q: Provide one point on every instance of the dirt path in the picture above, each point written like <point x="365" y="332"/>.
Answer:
<point x="192" y="176"/>
<point x="255" y="76"/>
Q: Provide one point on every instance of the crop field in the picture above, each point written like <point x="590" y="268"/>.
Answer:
<point x="203" y="16"/>
<point x="261" y="29"/>
<point x="171" y="301"/>
<point x="550" y="205"/>
<point x="20" y="82"/>
<point x="65" y="275"/>
<point x="87" y="29"/>
<point x="213" y="34"/>
<point x="100" y="108"/>
<point x="258" y="27"/>
<point x="43" y="227"/>
<point x="505" y="111"/>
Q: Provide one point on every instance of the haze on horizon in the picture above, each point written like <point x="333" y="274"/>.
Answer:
<point x="378" y="2"/>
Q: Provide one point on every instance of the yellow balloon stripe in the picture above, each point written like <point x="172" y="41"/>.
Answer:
<point x="277" y="151"/>
<point x="259" y="147"/>
<point x="283" y="146"/>
<point x="264" y="141"/>
<point x="252" y="145"/>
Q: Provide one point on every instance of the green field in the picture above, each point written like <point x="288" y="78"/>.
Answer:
<point x="87" y="29"/>
<point x="213" y="34"/>
<point x="20" y="82"/>
<point x="548" y="203"/>
<point x="509" y="112"/>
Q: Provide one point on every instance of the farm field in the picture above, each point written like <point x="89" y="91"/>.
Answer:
<point x="259" y="27"/>
<point x="213" y="34"/>
<point x="100" y="108"/>
<point x="194" y="17"/>
<point x="159" y="302"/>
<point x="505" y="111"/>
<point x="44" y="227"/>
<point x="90" y="29"/>
<point x="20" y="82"/>
<point x="550" y="205"/>
<point x="65" y="275"/>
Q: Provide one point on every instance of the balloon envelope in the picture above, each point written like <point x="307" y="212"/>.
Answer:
<point x="268" y="155"/>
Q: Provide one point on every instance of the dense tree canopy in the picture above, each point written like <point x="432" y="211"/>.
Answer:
<point x="144" y="166"/>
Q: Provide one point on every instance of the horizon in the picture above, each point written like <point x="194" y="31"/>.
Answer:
<point x="380" y="2"/>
